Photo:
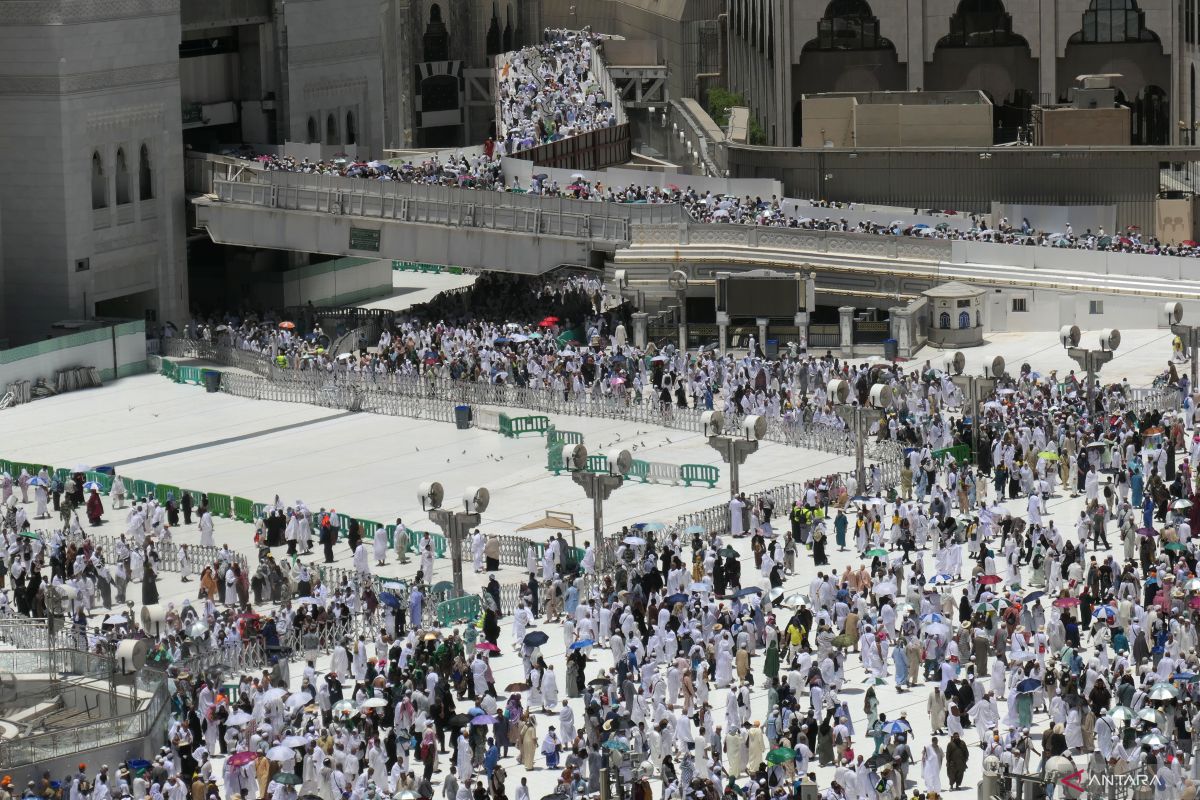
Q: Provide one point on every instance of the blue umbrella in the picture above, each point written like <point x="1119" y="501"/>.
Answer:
<point x="582" y="643"/>
<point x="1029" y="685"/>
<point x="87" y="487"/>
<point x="1184" y="676"/>
<point x="677" y="598"/>
<point x="690" y="529"/>
<point x="536" y="638"/>
<point x="651" y="526"/>
<point x="935" y="617"/>
<point x="40" y="481"/>
<point x="616" y="744"/>
<point x="390" y="600"/>
<point x="896" y="726"/>
<point x="483" y="719"/>
<point x="939" y="580"/>
<point x="1104" y="611"/>
<point x="747" y="591"/>
<point x="1029" y="598"/>
<point x="474" y="711"/>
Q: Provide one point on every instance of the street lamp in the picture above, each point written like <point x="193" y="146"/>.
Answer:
<point x="1090" y="360"/>
<point x="1190" y="334"/>
<point x="733" y="449"/>
<point x="454" y="524"/>
<point x="678" y="282"/>
<point x="857" y="417"/>
<point x="976" y="389"/>
<point x="597" y="485"/>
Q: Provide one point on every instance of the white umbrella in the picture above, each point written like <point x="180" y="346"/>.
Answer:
<point x="239" y="718"/>
<point x="280" y="753"/>
<point x="298" y="700"/>
<point x="274" y="694"/>
<point x="294" y="742"/>
<point x="374" y="702"/>
<point x="636" y="541"/>
<point x="116" y="619"/>
<point x="80" y="468"/>
<point x="937" y="629"/>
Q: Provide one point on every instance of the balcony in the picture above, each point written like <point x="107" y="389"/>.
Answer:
<point x="200" y="14"/>
<point x="202" y="115"/>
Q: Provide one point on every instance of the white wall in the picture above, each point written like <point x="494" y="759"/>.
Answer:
<point x="92" y="348"/>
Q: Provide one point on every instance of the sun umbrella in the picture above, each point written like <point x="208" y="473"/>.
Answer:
<point x="781" y="754"/>
<point x="988" y="580"/>
<point x="699" y="586"/>
<point x="484" y="719"/>
<point x="287" y="778"/>
<point x="280" y="753"/>
<point x="1029" y="598"/>
<point x="1049" y="455"/>
<point x="1175" y="546"/>
<point x="933" y="617"/>
<point x="617" y="744"/>
<point x="1147" y="532"/>
<point x="693" y="529"/>
<point x="799" y="598"/>
<point x="344" y="709"/>
<point x="391" y="600"/>
<point x="407" y="794"/>
<point x="897" y="726"/>
<point x="1108" y="612"/>
<point x="241" y="759"/>
<point x="1122" y="713"/>
<point x="536" y="638"/>
<point x="676" y="598"/>
<point x="1148" y="715"/>
<point x="518" y="686"/>
<point x="459" y="720"/>
<point x="287" y="325"/>
<point x="39" y="481"/>
<point x="294" y="742"/>
<point x="634" y="541"/>
<point x="1182" y="504"/>
<point x="652" y="526"/>
<point x="749" y="590"/>
<point x="1029" y="685"/>
<point x="941" y="579"/>
<point x="877" y="552"/>
<point x="488" y="647"/>
<point x="1066" y="602"/>
<point x="937" y="629"/>
<point x="373" y="702"/>
<point x="239" y="717"/>
<point x="116" y="619"/>
<point x="1163" y="691"/>
<point x="1153" y="741"/>
<point x="81" y="468"/>
<point x="474" y="711"/>
<point x="582" y="643"/>
<point x="298" y="701"/>
<point x="91" y="486"/>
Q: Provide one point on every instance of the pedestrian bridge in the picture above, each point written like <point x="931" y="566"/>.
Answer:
<point x="531" y="235"/>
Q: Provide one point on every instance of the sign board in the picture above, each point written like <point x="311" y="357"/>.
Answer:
<point x="364" y="239"/>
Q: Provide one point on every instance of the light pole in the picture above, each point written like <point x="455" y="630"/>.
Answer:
<point x="454" y="524"/>
<point x="597" y="486"/>
<point x="1190" y="334"/>
<point x="679" y="283"/>
<point x="1088" y="360"/>
<point x="733" y="449"/>
<point x="975" y="389"/>
<point x="857" y="417"/>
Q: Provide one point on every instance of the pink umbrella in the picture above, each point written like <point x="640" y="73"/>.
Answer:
<point x="1066" y="602"/>
<point x="488" y="646"/>
<point x="616" y="381"/>
<point x="241" y="759"/>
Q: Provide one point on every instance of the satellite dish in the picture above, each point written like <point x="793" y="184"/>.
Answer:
<point x="755" y="427"/>
<point x="839" y="390"/>
<point x="476" y="499"/>
<point x="1174" y="312"/>
<point x="619" y="461"/>
<point x="881" y="395"/>
<point x="153" y="617"/>
<point x="713" y="422"/>
<point x="575" y="457"/>
<point x="998" y="367"/>
<point x="958" y="362"/>
<point x="1069" y="335"/>
<point x="430" y="495"/>
<point x="1110" y="339"/>
<point x="678" y="280"/>
<point x="131" y="654"/>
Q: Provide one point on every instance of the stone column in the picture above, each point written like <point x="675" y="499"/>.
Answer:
<point x="846" y="322"/>
<point x="722" y="331"/>
<point x="801" y="322"/>
<point x="762" y="334"/>
<point x="640" y="326"/>
<point x="901" y="327"/>
<point x="810" y="292"/>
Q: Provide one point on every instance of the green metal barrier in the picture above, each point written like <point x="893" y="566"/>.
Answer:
<point x="369" y="529"/>
<point x="168" y="368"/>
<point x="554" y="461"/>
<point x="639" y="471"/>
<point x="440" y="545"/>
<point x="161" y="491"/>
<point x="189" y="375"/>
<point x="243" y="509"/>
<point x="960" y="452"/>
<point x="559" y="439"/>
<point x="259" y="510"/>
<point x="101" y="478"/>
<point x="221" y="505"/>
<point x="598" y="463"/>
<point x="700" y="473"/>
<point x="140" y="488"/>
<point x="459" y="609"/>
<point x="513" y="427"/>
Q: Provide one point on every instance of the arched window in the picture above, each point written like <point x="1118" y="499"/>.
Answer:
<point x="331" y="133"/>
<point x="312" y="130"/>
<point x="848" y="25"/>
<point x="1111" y="22"/>
<point x="964" y="319"/>
<point x="351" y="130"/>
<point x="493" y="34"/>
<point x="944" y="320"/>
<point x="436" y="44"/>
<point x="981" y="23"/>
<point x="145" y="176"/>
<point x="122" y="178"/>
<point x="508" y="30"/>
<point x="99" y="186"/>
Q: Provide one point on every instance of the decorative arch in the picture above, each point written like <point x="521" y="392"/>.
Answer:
<point x="312" y="130"/>
<point x="122" y="178"/>
<point x="848" y="25"/>
<point x="99" y="185"/>
<point x="351" y="129"/>
<point x="436" y="42"/>
<point x="944" y="320"/>
<point x="508" y="28"/>
<point x="1113" y="22"/>
<point x="981" y="23"/>
<point x="493" y="34"/>
<point x="145" y="175"/>
<point x="331" y="131"/>
<point x="964" y="320"/>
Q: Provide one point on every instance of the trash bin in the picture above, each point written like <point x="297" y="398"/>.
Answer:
<point x="462" y="417"/>
<point x="772" y="348"/>
<point x="212" y="380"/>
<point x="891" y="349"/>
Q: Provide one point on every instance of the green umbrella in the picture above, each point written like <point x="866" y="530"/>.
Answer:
<point x="31" y="534"/>
<point x="877" y="552"/>
<point x="780" y="755"/>
<point x="288" y="779"/>
<point x="1123" y="713"/>
<point x="1176" y="546"/>
<point x="1049" y="455"/>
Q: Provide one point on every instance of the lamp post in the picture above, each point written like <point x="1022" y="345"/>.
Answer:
<point x="1089" y="360"/>
<point x="597" y="485"/>
<point x="454" y="524"/>
<point x="733" y="449"/>
<point x="856" y="417"/>
<point x="678" y="281"/>
<point x="975" y="389"/>
<point x="1190" y="334"/>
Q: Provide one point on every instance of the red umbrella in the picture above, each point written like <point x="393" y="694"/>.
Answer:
<point x="1066" y="602"/>
<point x="672" y="187"/>
<point x="241" y="759"/>
<point x="989" y="579"/>
<point x="488" y="646"/>
<point x="287" y="326"/>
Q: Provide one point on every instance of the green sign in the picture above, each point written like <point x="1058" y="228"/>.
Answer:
<point x="364" y="239"/>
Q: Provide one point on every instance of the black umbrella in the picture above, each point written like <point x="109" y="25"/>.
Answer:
<point x="536" y="638"/>
<point x="459" y="720"/>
